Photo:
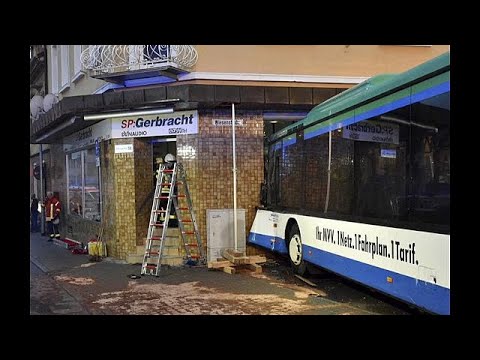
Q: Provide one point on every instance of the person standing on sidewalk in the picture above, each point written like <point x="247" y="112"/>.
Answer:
<point x="34" y="214"/>
<point x="52" y="215"/>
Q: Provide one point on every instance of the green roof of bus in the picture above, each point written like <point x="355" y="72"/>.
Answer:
<point x="368" y="89"/>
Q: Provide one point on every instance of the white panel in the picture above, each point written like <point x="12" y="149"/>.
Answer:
<point x="77" y="64"/>
<point x="54" y="71"/>
<point x="220" y="232"/>
<point x="65" y="63"/>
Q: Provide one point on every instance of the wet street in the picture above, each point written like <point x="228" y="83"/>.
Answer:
<point x="105" y="288"/>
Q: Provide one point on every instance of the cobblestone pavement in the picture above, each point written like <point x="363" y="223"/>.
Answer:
<point x="198" y="291"/>
<point x="63" y="283"/>
<point x="48" y="298"/>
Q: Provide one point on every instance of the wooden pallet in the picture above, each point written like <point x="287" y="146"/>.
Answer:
<point x="233" y="260"/>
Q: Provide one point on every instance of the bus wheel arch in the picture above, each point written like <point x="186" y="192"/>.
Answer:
<point x="293" y="241"/>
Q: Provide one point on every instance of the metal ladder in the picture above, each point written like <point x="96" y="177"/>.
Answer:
<point x="167" y="177"/>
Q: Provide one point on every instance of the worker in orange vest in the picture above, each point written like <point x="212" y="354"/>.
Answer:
<point x="52" y="215"/>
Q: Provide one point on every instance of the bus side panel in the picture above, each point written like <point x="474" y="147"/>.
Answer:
<point x="267" y="233"/>
<point x="411" y="265"/>
<point x="408" y="264"/>
<point x="420" y="293"/>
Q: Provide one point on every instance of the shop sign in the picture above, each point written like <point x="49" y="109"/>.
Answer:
<point x="88" y="136"/>
<point x="97" y="153"/>
<point x="123" y="148"/>
<point x="227" y="122"/>
<point x="177" y="123"/>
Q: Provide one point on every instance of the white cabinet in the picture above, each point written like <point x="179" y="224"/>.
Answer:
<point x="220" y="232"/>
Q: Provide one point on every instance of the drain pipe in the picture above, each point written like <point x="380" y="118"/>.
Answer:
<point x="42" y="195"/>
<point x="234" y="180"/>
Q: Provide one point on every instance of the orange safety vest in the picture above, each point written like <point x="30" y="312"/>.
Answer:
<point x="52" y="208"/>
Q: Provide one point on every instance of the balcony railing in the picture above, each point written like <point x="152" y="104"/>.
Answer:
<point x="108" y="59"/>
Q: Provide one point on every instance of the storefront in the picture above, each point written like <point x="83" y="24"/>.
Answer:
<point x="105" y="171"/>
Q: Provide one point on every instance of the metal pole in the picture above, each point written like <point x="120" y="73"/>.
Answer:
<point x="234" y="180"/>
<point x="329" y="171"/>
<point x="42" y="195"/>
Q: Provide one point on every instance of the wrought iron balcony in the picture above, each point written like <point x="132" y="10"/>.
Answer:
<point x="124" y="62"/>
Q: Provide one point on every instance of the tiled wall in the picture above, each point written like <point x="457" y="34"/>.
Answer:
<point x="143" y="186"/>
<point x="109" y="207"/>
<point x="124" y="198"/>
<point x="207" y="159"/>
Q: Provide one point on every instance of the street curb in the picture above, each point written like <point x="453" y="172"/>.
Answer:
<point x="38" y="264"/>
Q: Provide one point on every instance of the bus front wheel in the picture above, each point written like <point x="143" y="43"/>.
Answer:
<point x="295" y="251"/>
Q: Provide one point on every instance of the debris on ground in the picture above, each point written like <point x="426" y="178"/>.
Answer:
<point x="75" y="280"/>
<point x="87" y="265"/>
<point x="305" y="280"/>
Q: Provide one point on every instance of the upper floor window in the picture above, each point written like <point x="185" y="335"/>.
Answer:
<point x="77" y="63"/>
<point x="65" y="66"/>
<point x="54" y="71"/>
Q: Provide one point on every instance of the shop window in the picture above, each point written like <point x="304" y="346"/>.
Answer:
<point x="84" y="185"/>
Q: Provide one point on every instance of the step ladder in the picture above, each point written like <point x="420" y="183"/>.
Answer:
<point x="171" y="176"/>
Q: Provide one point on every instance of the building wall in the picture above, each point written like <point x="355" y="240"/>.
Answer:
<point x="56" y="178"/>
<point x="84" y="85"/>
<point x="207" y="156"/>
<point x="320" y="60"/>
<point x="109" y="206"/>
<point x="118" y="204"/>
<point x="310" y="60"/>
<point x="143" y="187"/>
<point x="35" y="148"/>
<point x="124" y="197"/>
<point x="207" y="159"/>
<point x="35" y="159"/>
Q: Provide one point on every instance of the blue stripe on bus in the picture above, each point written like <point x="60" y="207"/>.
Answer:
<point x="422" y="95"/>
<point x="332" y="127"/>
<point x="288" y="142"/>
<point x="265" y="241"/>
<point x="431" y="92"/>
<point x="424" y="295"/>
<point x="397" y="104"/>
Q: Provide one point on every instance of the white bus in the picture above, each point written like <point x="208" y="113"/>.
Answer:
<point x="361" y="187"/>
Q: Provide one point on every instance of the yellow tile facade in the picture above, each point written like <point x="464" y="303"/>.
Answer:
<point x="207" y="159"/>
<point x="127" y="180"/>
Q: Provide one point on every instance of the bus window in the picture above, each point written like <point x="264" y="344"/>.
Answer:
<point x="342" y="175"/>
<point x="430" y="195"/>
<point x="291" y="173"/>
<point x="316" y="165"/>
<point x="380" y="164"/>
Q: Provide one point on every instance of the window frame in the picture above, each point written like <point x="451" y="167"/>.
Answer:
<point x="54" y="71"/>
<point x="83" y="152"/>
<point x="65" y="67"/>
<point x="77" y="63"/>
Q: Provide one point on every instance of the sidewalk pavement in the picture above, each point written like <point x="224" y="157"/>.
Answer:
<point x="74" y="272"/>
<point x="105" y="287"/>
